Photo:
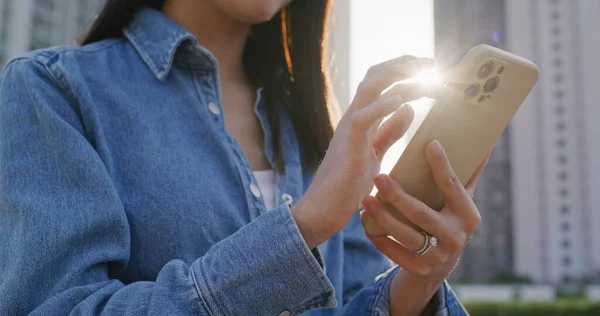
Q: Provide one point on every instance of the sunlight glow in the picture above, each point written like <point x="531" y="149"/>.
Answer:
<point x="384" y="29"/>
<point x="428" y="77"/>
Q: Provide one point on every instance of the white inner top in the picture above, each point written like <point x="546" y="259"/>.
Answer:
<point x="266" y="182"/>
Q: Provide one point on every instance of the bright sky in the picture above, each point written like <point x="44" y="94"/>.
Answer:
<point x="385" y="29"/>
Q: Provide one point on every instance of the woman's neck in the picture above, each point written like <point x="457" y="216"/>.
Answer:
<point x="221" y="35"/>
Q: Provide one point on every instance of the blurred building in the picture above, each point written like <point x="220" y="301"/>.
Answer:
<point x="537" y="196"/>
<point x="460" y="25"/>
<point x="30" y="24"/>
<point x="339" y="52"/>
<point x="555" y="153"/>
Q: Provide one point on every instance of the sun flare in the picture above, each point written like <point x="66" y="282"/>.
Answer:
<point x="381" y="30"/>
<point x="428" y="77"/>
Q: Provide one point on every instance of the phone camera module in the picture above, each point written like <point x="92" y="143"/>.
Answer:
<point x="485" y="70"/>
<point x="491" y="85"/>
<point x="472" y="91"/>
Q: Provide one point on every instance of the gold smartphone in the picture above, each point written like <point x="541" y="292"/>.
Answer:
<point x="481" y="96"/>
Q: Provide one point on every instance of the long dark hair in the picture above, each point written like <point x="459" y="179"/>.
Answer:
<point x="285" y="56"/>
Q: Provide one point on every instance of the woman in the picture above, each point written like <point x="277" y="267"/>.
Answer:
<point x="166" y="167"/>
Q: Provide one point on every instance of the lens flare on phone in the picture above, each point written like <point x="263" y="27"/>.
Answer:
<point x="428" y="77"/>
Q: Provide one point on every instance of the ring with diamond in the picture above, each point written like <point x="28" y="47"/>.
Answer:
<point x="430" y="242"/>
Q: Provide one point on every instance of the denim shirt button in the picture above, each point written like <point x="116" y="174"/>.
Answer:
<point x="287" y="199"/>
<point x="214" y="108"/>
<point x="255" y="190"/>
<point x="285" y="313"/>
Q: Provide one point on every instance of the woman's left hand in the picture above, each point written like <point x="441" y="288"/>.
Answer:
<point x="452" y="226"/>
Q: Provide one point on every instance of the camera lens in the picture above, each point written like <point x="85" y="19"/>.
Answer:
<point x="485" y="70"/>
<point x="491" y="85"/>
<point x="472" y="91"/>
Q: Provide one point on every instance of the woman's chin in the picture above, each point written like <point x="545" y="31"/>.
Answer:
<point x="260" y="16"/>
<point x="257" y="11"/>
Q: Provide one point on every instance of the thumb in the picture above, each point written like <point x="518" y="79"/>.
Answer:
<point x="392" y="130"/>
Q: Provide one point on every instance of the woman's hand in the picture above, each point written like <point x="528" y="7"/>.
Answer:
<point x="423" y="274"/>
<point x="353" y="158"/>
<point x="452" y="226"/>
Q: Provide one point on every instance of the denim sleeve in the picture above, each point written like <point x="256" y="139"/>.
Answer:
<point x="64" y="234"/>
<point x="374" y="299"/>
<point x="368" y="275"/>
<point x="362" y="261"/>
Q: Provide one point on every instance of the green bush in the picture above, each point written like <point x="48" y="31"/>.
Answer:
<point x="556" y="308"/>
<point x="505" y="277"/>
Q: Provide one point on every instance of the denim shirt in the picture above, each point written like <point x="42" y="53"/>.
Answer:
<point x="121" y="193"/>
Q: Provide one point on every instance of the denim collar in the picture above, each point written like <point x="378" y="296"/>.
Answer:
<point x="160" y="41"/>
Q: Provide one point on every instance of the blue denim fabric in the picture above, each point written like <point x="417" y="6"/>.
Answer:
<point x="121" y="193"/>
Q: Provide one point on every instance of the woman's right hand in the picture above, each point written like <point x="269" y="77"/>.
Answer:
<point x="353" y="158"/>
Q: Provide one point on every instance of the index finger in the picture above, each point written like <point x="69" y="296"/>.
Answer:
<point x="376" y="81"/>
<point x="452" y="190"/>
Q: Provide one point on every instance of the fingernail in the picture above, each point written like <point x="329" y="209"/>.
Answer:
<point x="381" y="182"/>
<point x="375" y="205"/>
<point x="435" y="147"/>
<point x="368" y="204"/>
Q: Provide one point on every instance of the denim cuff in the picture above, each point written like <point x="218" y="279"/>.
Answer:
<point x="382" y="301"/>
<point x="453" y="305"/>
<point x="443" y="303"/>
<point x="263" y="269"/>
